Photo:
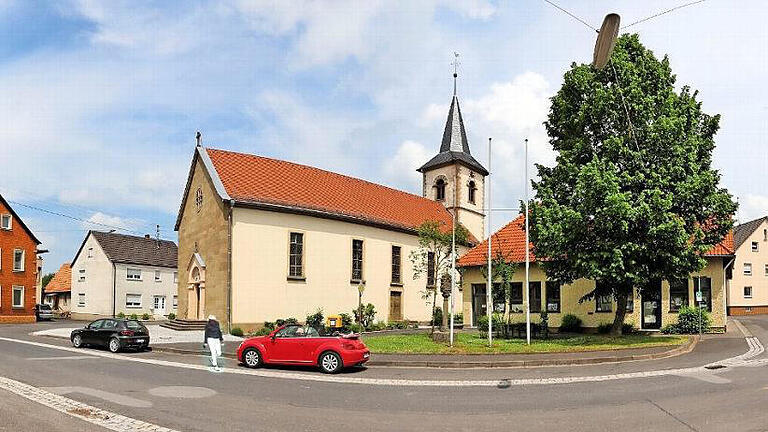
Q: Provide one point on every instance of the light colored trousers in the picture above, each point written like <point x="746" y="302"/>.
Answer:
<point x="215" y="346"/>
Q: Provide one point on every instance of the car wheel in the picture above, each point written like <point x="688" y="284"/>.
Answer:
<point x="330" y="362"/>
<point x="77" y="341"/>
<point x="252" y="358"/>
<point x="114" y="345"/>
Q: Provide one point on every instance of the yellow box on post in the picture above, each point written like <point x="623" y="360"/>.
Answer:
<point x="334" y="321"/>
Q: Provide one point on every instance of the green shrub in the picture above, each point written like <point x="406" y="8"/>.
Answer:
<point x="282" y="322"/>
<point x="346" y="320"/>
<point x="133" y="316"/>
<point x="264" y="331"/>
<point x="315" y="320"/>
<point x="437" y="317"/>
<point x="368" y="314"/>
<point x="145" y="316"/>
<point x="398" y="325"/>
<point x="236" y="331"/>
<point x="120" y="315"/>
<point x="269" y="325"/>
<point x="355" y="328"/>
<point x="688" y="320"/>
<point x="171" y="316"/>
<point x="570" y="324"/>
<point x="669" y="329"/>
<point x="458" y="318"/>
<point x="627" y="328"/>
<point x="604" y="328"/>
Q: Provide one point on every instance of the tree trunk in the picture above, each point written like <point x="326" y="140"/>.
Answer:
<point x="621" y="312"/>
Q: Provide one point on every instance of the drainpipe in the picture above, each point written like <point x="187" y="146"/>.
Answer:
<point x="229" y="267"/>
<point x="114" y="290"/>
<point x="725" y="287"/>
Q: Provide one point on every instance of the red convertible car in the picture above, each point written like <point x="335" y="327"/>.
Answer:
<point x="295" y="344"/>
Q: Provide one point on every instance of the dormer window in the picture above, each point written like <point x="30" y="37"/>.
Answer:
<point x="440" y="190"/>
<point x="5" y="222"/>
<point x="472" y="190"/>
<point x="199" y="199"/>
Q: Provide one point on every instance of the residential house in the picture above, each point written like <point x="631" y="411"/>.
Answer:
<point x="117" y="273"/>
<point x="748" y="293"/>
<point x="58" y="292"/>
<point x="649" y="312"/>
<point x="18" y="269"/>
<point x="262" y="239"/>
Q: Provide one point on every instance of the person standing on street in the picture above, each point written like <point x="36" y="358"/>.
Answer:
<point x="214" y="339"/>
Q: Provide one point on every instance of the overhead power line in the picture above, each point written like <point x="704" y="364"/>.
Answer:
<point x="663" y="13"/>
<point x="573" y="16"/>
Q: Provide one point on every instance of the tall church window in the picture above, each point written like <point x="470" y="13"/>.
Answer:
<point x="472" y="190"/>
<point x="440" y="190"/>
<point x="357" y="260"/>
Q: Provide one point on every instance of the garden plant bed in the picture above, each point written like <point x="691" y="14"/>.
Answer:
<point x="469" y="343"/>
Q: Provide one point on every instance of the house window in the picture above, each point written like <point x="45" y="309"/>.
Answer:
<point x="157" y="276"/>
<point x="18" y="296"/>
<point x="704" y="284"/>
<point x="175" y="277"/>
<point x="175" y="302"/>
<point x="296" y="258"/>
<point x="516" y="296"/>
<point x="440" y="190"/>
<point x="534" y="294"/>
<point x="603" y="303"/>
<point x="159" y="303"/>
<point x="133" y="274"/>
<point x="81" y="275"/>
<point x="18" y="260"/>
<point x="553" y="296"/>
<point x="766" y="269"/>
<point x="747" y="292"/>
<point x="472" y="190"/>
<point x="198" y="199"/>
<point x="747" y="269"/>
<point x="499" y="298"/>
<point x="5" y="222"/>
<point x="357" y="260"/>
<point x="90" y="252"/>
<point x="755" y="246"/>
<point x="430" y="269"/>
<point x="133" y="300"/>
<point x="81" y="299"/>
<point x="765" y="235"/>
<point x="396" y="265"/>
<point x="678" y="294"/>
<point x="630" y="303"/>
<point x="1" y="259"/>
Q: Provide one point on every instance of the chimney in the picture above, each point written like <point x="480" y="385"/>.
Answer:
<point x="146" y="236"/>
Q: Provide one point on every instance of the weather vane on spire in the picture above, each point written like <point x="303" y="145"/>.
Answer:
<point x="455" y="64"/>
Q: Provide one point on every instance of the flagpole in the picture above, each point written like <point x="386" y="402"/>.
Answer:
<point x="527" y="258"/>
<point x="489" y="299"/>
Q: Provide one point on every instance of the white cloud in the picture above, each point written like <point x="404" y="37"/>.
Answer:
<point x="400" y="170"/>
<point x="101" y="221"/>
<point x="752" y="206"/>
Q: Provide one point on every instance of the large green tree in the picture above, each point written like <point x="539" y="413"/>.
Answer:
<point x="633" y="198"/>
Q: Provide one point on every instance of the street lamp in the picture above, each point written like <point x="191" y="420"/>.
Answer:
<point x="360" y="289"/>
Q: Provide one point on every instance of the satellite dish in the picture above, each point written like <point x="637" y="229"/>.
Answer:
<point x="606" y="40"/>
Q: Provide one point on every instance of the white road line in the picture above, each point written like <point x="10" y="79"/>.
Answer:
<point x="755" y="349"/>
<point x="82" y="357"/>
<point x="97" y="416"/>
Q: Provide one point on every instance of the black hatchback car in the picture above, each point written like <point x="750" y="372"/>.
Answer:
<point x="113" y="333"/>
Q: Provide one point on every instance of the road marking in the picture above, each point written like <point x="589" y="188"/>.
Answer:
<point x="97" y="416"/>
<point x="755" y="349"/>
<point x="101" y="394"/>
<point x="83" y="357"/>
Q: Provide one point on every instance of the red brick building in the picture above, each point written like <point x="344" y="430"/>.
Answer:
<point x="18" y="267"/>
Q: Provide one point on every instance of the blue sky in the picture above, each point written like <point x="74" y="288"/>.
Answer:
<point x="100" y="101"/>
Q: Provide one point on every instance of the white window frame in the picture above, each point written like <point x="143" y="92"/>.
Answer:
<point x="747" y="269"/>
<point x="755" y="247"/>
<point x="745" y="292"/>
<point x="81" y="275"/>
<point x="15" y="288"/>
<point x="9" y="218"/>
<point x="80" y="299"/>
<point x="132" y="277"/>
<point x="23" y="259"/>
<point x="158" y="276"/>
<point x="175" y="303"/>
<point x="90" y="252"/>
<point x="154" y="302"/>
<point x="175" y="277"/>
<point x="133" y="304"/>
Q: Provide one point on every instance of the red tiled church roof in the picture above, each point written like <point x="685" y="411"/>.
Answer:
<point x="260" y="180"/>
<point x="509" y="241"/>
<point x="61" y="281"/>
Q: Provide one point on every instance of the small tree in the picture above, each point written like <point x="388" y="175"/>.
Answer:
<point x="433" y="257"/>
<point x="47" y="278"/>
<point x="633" y="198"/>
<point x="502" y="268"/>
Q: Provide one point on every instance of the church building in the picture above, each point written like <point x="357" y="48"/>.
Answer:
<point x="262" y="239"/>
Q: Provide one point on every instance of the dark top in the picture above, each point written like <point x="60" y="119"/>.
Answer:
<point x="212" y="330"/>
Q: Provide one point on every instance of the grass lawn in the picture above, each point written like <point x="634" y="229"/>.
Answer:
<point x="473" y="343"/>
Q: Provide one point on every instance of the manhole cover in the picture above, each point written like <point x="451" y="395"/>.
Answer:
<point x="714" y="367"/>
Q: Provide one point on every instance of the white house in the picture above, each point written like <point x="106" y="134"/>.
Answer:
<point x="114" y="273"/>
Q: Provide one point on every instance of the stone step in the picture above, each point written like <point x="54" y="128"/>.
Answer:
<point x="184" y="325"/>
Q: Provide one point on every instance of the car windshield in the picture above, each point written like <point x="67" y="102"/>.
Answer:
<point x="133" y="325"/>
<point x="45" y="306"/>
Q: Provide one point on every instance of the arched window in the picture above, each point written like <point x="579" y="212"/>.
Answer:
<point x="199" y="199"/>
<point x="472" y="190"/>
<point x="440" y="190"/>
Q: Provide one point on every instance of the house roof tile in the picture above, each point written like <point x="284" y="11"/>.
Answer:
<point x="127" y="249"/>
<point x="61" y="281"/>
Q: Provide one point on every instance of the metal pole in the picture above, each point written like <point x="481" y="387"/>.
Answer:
<point x="527" y="258"/>
<point x="489" y="299"/>
<point x="453" y="260"/>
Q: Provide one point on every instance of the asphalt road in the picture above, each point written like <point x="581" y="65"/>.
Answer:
<point x="197" y="400"/>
